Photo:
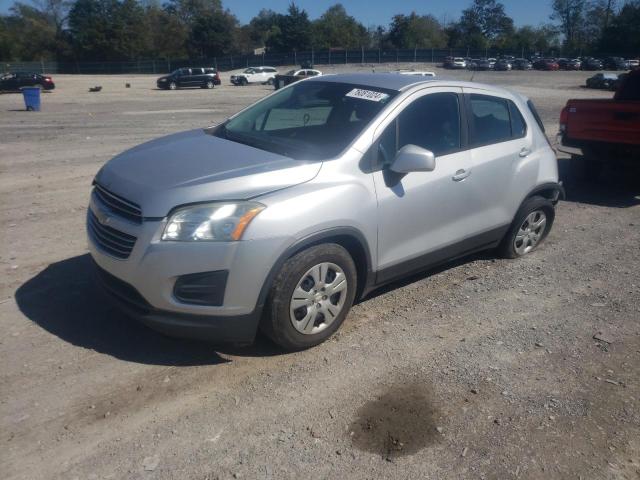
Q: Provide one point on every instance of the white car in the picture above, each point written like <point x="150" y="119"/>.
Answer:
<point x="416" y="73"/>
<point x="262" y="75"/>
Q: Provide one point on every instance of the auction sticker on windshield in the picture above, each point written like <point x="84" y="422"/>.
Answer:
<point x="367" y="95"/>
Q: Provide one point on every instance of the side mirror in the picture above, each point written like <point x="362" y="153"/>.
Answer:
<point x="412" y="158"/>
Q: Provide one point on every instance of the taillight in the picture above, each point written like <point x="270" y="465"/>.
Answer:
<point x="564" y="118"/>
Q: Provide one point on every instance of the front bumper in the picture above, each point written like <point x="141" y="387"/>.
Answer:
<point x="237" y="329"/>
<point x="153" y="266"/>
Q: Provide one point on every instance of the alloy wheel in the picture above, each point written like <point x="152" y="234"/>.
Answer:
<point x="530" y="232"/>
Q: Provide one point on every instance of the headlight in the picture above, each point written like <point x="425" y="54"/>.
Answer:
<point x="212" y="222"/>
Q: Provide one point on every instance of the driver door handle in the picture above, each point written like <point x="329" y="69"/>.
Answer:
<point x="461" y="175"/>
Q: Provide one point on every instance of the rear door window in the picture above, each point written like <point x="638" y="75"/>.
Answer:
<point x="489" y="120"/>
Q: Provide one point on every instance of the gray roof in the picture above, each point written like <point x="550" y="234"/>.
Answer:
<point x="395" y="81"/>
<point x="392" y="81"/>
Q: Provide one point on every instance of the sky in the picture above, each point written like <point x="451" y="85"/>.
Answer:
<point x="379" y="12"/>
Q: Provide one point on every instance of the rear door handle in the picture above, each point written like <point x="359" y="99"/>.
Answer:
<point x="461" y="175"/>
<point x="525" y="152"/>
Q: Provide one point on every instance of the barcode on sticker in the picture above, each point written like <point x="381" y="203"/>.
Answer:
<point x="367" y="95"/>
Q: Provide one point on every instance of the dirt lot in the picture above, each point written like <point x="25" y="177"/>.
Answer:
<point x="486" y="368"/>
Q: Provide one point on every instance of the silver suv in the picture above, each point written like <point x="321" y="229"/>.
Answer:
<point x="283" y="215"/>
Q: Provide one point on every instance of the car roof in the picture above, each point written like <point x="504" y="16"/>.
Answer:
<point x="393" y="81"/>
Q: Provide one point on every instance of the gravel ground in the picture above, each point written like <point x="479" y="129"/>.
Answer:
<point x="485" y="368"/>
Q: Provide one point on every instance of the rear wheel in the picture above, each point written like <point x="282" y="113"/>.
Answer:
<point x="530" y="227"/>
<point x="310" y="297"/>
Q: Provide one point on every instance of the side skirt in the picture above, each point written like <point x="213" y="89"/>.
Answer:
<point x="483" y="241"/>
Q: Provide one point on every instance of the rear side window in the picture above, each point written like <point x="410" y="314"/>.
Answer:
<point x="490" y="121"/>
<point x="494" y="120"/>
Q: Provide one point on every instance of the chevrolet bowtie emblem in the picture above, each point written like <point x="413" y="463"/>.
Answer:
<point x="102" y="217"/>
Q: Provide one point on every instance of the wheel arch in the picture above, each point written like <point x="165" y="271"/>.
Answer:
<point x="350" y="238"/>
<point x="551" y="191"/>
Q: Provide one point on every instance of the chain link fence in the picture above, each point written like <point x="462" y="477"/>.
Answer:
<point x="232" y="62"/>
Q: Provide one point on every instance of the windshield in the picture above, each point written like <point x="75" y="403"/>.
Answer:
<point x="248" y="70"/>
<point x="309" y="120"/>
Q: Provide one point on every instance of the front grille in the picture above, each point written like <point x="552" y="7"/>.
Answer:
<point x="114" y="242"/>
<point x="118" y="205"/>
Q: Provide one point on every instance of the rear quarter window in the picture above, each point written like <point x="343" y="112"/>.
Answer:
<point x="534" y="112"/>
<point x="518" y="125"/>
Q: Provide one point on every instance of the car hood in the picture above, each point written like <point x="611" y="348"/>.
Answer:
<point x="193" y="166"/>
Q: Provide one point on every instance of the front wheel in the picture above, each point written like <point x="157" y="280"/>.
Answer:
<point x="173" y="86"/>
<point x="310" y="297"/>
<point x="530" y="227"/>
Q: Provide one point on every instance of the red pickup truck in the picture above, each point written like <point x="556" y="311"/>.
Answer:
<point x="602" y="131"/>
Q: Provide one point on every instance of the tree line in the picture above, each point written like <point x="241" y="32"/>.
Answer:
<point x="114" y="30"/>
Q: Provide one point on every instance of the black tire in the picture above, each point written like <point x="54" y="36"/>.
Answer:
<point x="532" y="204"/>
<point x="209" y="85"/>
<point x="270" y="81"/>
<point x="244" y="82"/>
<point x="276" y="322"/>
<point x="173" y="86"/>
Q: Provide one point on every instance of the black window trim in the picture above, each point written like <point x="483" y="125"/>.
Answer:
<point x="469" y="113"/>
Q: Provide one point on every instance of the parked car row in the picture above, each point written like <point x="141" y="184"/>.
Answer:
<point x="509" y="62"/>
<point x="206" y="77"/>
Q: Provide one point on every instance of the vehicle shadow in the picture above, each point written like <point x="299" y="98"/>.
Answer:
<point x="65" y="300"/>
<point x="615" y="187"/>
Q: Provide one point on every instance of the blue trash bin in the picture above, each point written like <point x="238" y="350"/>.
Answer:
<point x="31" y="98"/>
